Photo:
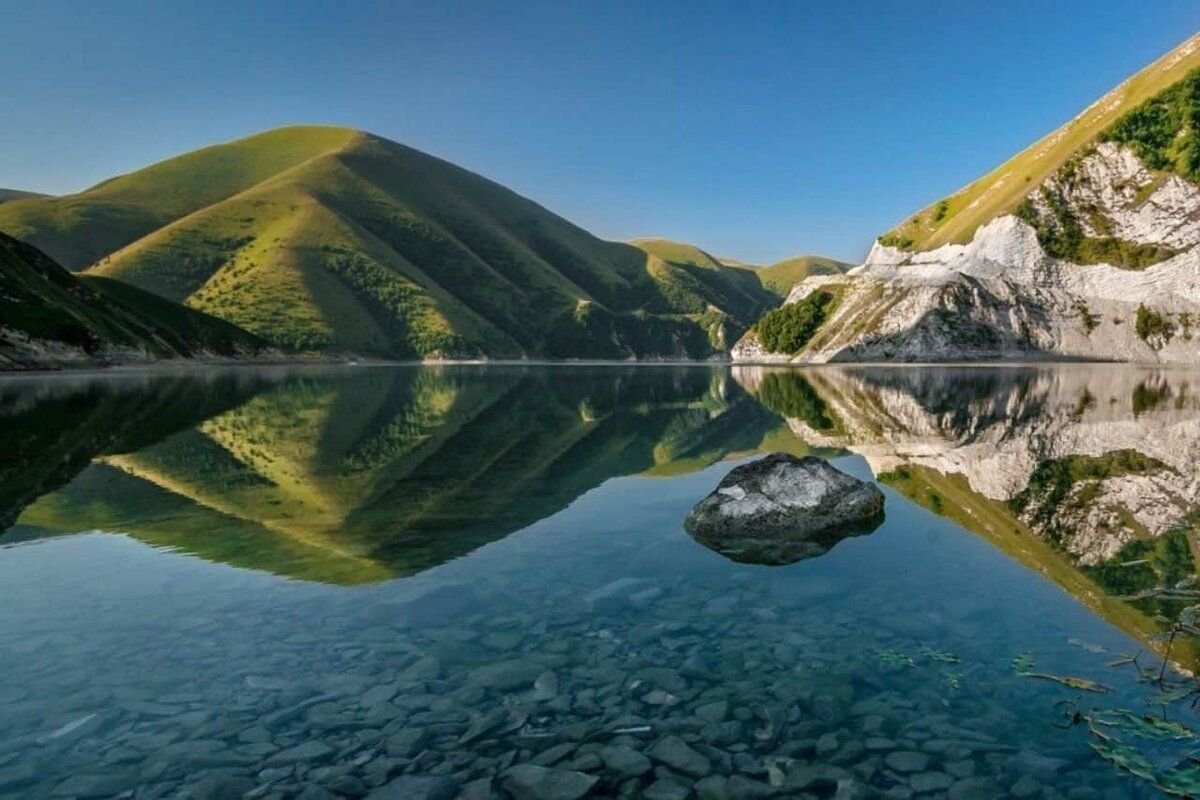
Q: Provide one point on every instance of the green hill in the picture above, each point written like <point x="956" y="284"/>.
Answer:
<point x="8" y="195"/>
<point x="779" y="278"/>
<point x="954" y="219"/>
<point x="77" y="230"/>
<point x="50" y="317"/>
<point x="678" y="252"/>
<point x="326" y="239"/>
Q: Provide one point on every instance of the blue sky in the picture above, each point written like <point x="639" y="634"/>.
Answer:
<point x="755" y="129"/>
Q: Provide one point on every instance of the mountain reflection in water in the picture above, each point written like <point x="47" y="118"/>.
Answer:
<point x="352" y="476"/>
<point x="348" y="476"/>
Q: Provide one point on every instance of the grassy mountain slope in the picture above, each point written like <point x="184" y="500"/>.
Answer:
<point x="779" y="278"/>
<point x="326" y="239"/>
<point x="677" y="252"/>
<point x="77" y="230"/>
<point x="955" y="218"/>
<point x="47" y="314"/>
<point x="8" y="195"/>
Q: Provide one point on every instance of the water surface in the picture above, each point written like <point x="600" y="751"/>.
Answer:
<point x="314" y="582"/>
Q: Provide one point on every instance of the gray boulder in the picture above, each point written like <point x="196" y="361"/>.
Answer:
<point x="781" y="509"/>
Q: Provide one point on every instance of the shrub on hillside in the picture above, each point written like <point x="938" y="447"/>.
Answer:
<point x="1152" y="325"/>
<point x="1062" y="236"/>
<point x="788" y="329"/>
<point x="896" y="240"/>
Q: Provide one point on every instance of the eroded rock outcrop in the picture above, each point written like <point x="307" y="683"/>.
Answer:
<point x="1001" y="297"/>
<point x="781" y="509"/>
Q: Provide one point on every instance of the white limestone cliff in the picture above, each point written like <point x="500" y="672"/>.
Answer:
<point x="1001" y="296"/>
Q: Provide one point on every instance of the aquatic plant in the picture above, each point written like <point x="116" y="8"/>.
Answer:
<point x="1143" y="745"/>
<point x="933" y="654"/>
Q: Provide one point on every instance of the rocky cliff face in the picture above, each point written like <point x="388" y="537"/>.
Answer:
<point x="1098" y="260"/>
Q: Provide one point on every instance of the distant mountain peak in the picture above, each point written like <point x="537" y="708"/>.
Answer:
<point x="8" y="195"/>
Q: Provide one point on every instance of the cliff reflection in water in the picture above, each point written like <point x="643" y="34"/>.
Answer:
<point x="354" y="476"/>
<point x="1085" y="473"/>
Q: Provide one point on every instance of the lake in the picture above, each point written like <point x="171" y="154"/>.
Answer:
<point x="472" y="581"/>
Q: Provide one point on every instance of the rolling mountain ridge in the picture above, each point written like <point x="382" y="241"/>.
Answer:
<point x="777" y="278"/>
<point x="326" y="240"/>
<point x="781" y="276"/>
<point x="8" y="195"/>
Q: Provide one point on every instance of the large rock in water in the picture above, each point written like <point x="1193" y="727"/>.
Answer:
<point x="782" y="509"/>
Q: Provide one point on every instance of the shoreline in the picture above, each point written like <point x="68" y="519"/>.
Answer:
<point x="187" y="365"/>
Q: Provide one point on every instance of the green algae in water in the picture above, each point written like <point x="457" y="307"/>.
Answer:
<point x="933" y="654"/>
<point x="895" y="658"/>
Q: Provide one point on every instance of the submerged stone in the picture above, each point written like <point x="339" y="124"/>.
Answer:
<point x="982" y="788"/>
<point x="547" y="783"/>
<point x="484" y="724"/>
<point x="506" y="675"/>
<point x="923" y="782"/>
<point x="306" y="753"/>
<point x="545" y="687"/>
<point x="625" y="761"/>
<point x="417" y="787"/>
<point x="406" y="743"/>
<point x="667" y="789"/>
<point x="782" y="509"/>
<point x="715" y="711"/>
<point x="218" y="787"/>
<point x="907" y="761"/>
<point x="678" y="755"/>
